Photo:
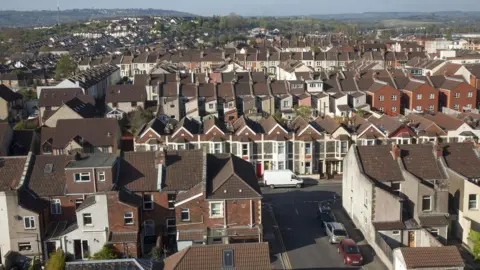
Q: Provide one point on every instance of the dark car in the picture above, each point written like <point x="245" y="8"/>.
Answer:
<point x="350" y="252"/>
<point x="325" y="217"/>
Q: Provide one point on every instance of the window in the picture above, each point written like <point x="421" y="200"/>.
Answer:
<point x="469" y="106"/>
<point x="308" y="148"/>
<point x="78" y="202"/>
<point x="171" y="201"/>
<point x="472" y="201"/>
<point x="181" y="146"/>
<point x="244" y="149"/>
<point x="286" y="103"/>
<point x="210" y="106"/>
<point x="395" y="232"/>
<point x="396" y="187"/>
<point x="365" y="199"/>
<point x="217" y="148"/>
<point x="81" y="177"/>
<point x="457" y="95"/>
<point x="149" y="226"/>
<point x="343" y="147"/>
<point x="171" y="226"/>
<point x="24" y="246"/>
<point x="418" y="108"/>
<point x="280" y="148"/>
<point x="115" y="105"/>
<point x="55" y="207"/>
<point x="455" y="106"/>
<point x="394" y="97"/>
<point x="431" y="107"/>
<point x="381" y="98"/>
<point x="134" y="104"/>
<point x="469" y="94"/>
<point x="419" y="96"/>
<point x="216" y="209"/>
<point x="308" y="167"/>
<point x="87" y="219"/>
<point x="427" y="203"/>
<point x="394" y="109"/>
<point x="172" y="105"/>
<point x="185" y="214"/>
<point x="147" y="202"/>
<point x="434" y="232"/>
<point x="29" y="222"/>
<point x="101" y="176"/>
<point x="380" y="109"/>
<point x="432" y="96"/>
<point x="128" y="218"/>
<point x="281" y="165"/>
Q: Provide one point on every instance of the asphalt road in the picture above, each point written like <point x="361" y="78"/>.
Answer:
<point x="304" y="240"/>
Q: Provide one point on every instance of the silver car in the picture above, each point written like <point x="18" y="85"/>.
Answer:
<point x="335" y="232"/>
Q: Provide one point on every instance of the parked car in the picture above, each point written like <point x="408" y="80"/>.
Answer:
<point x="281" y="178"/>
<point x="325" y="217"/>
<point x="350" y="252"/>
<point x="336" y="232"/>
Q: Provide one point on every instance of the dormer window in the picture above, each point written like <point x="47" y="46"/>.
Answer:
<point x="81" y="177"/>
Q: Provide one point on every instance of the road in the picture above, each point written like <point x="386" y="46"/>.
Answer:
<point x="302" y="238"/>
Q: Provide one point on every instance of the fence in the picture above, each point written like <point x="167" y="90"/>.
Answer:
<point x="382" y="244"/>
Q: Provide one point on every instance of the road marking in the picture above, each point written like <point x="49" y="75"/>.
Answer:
<point x="296" y="211"/>
<point x="283" y="255"/>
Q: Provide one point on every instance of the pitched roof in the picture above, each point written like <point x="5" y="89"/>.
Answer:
<point x="138" y="172"/>
<point x="84" y="109"/>
<point x="328" y="124"/>
<point x="432" y="257"/>
<point x="45" y="182"/>
<point x="125" y="93"/>
<point x="462" y="158"/>
<point x="123" y="237"/>
<point x="445" y="121"/>
<point x="104" y="133"/>
<point x="231" y="178"/>
<point x="89" y="201"/>
<point x="183" y="169"/>
<point x="378" y="163"/>
<point x="252" y="256"/>
<point x="420" y="161"/>
<point x="11" y="170"/>
<point x="8" y="94"/>
<point x="55" y="97"/>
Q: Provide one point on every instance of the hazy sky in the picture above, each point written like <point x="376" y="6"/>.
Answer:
<point x="255" y="7"/>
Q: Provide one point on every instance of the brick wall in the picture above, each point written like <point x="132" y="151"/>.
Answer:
<point x="116" y="211"/>
<point x="160" y="211"/>
<point x="131" y="250"/>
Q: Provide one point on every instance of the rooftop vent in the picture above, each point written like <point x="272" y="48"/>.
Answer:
<point x="48" y="168"/>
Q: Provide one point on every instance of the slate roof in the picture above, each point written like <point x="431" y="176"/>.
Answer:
<point x="44" y="183"/>
<point x="327" y="123"/>
<point x="55" y="97"/>
<point x="123" y="237"/>
<point x="84" y="109"/>
<point x="462" y="158"/>
<point x="432" y="257"/>
<point x="420" y="161"/>
<point x="183" y="169"/>
<point x="11" y="169"/>
<point x="125" y="93"/>
<point x="138" y="172"/>
<point x="378" y="163"/>
<point x="104" y="133"/>
<point x="232" y="178"/>
<point x="8" y="94"/>
<point x="434" y="220"/>
<point x="89" y="201"/>
<point x="445" y="121"/>
<point x="123" y="264"/>
<point x="252" y="256"/>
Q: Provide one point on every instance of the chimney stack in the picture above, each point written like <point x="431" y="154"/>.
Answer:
<point x="409" y="75"/>
<point x="395" y="151"/>
<point x="437" y="150"/>
<point x="160" y="158"/>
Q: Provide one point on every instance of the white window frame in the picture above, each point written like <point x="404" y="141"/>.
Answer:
<point x="30" y="219"/>
<point x="419" y="96"/>
<point x="430" y="204"/>
<point x="455" y="106"/>
<point x="394" y="97"/>
<point x="24" y="244"/>
<point x="434" y="231"/>
<point x="171" y="202"/>
<point x="432" y="96"/>
<point x="396" y="232"/>
<point x="309" y="147"/>
<point x="394" y="109"/>
<point x="381" y="98"/>
<point x="55" y="206"/>
<point x="399" y="187"/>
<point x="220" y="149"/>
<point x="281" y="165"/>
<point x="83" y="219"/>
<point x="183" y="211"/>
<point x="475" y="201"/>
<point x="80" y="175"/>
<point x="470" y="94"/>
<point x="145" y="203"/>
<point x="418" y="108"/>
<point x="220" y="215"/>
<point x="128" y="215"/>
<point x="281" y="145"/>
<point x="248" y="149"/>
<point x="431" y="107"/>
<point x="456" y="95"/>
<point x="365" y="199"/>
<point x="101" y="176"/>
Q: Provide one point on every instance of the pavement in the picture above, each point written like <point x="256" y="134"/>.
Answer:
<point x="296" y="238"/>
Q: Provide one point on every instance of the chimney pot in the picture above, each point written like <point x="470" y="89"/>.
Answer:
<point x="395" y="151"/>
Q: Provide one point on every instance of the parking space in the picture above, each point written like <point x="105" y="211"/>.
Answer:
<point x="302" y="238"/>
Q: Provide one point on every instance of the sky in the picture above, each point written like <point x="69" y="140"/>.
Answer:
<point x="255" y="7"/>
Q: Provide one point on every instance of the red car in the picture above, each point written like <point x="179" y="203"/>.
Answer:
<point x="350" y="252"/>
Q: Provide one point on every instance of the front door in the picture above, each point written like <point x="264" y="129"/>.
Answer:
<point x="77" y="249"/>
<point x="259" y="169"/>
<point x="411" y="238"/>
<point x="51" y="247"/>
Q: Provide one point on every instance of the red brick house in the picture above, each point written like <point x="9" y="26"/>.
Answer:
<point x="455" y="92"/>
<point x="418" y="94"/>
<point x="225" y="207"/>
<point x="383" y="97"/>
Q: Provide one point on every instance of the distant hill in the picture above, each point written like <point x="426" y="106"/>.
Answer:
<point x="424" y="16"/>
<point x="10" y="18"/>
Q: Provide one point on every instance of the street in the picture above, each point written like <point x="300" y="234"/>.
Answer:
<point x="299" y="231"/>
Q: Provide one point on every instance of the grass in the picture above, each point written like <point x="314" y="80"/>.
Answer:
<point x="399" y="22"/>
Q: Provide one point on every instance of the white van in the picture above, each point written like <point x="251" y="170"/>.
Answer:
<point x="281" y="178"/>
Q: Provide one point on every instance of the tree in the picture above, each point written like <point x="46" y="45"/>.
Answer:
<point x="106" y="253"/>
<point x="28" y="94"/>
<point x="475" y="237"/>
<point x="303" y="111"/>
<point x="44" y="49"/>
<point x="136" y="119"/>
<point x="66" y="67"/>
<point x="315" y="49"/>
<point x="278" y="117"/>
<point x="56" y="261"/>
<point x="156" y="254"/>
